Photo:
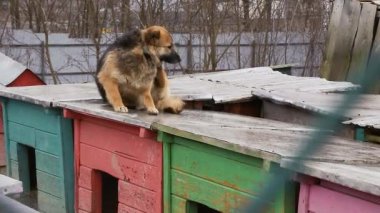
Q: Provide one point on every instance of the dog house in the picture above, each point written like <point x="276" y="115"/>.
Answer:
<point x="260" y="92"/>
<point x="215" y="162"/>
<point x="118" y="160"/>
<point x="334" y="187"/>
<point x="39" y="142"/>
<point x="13" y="74"/>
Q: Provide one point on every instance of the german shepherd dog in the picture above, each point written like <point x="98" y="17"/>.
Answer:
<point x="130" y="73"/>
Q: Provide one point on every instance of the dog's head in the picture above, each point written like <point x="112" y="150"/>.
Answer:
<point x="160" y="39"/>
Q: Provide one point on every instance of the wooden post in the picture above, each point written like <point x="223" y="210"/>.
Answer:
<point x="346" y="32"/>
<point x="253" y="54"/>
<point x="42" y="61"/>
<point x="189" y="65"/>
<point x="363" y="41"/>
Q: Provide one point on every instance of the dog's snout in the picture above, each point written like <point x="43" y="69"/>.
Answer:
<point x="171" y="58"/>
<point x="178" y="58"/>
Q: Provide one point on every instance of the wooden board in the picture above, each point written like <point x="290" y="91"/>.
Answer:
<point x="316" y="198"/>
<point x="366" y="121"/>
<point x="331" y="38"/>
<point x="365" y="111"/>
<point x="363" y="41"/>
<point x="375" y="56"/>
<point x="266" y="79"/>
<point x="98" y="108"/>
<point x="346" y="32"/>
<point x="9" y="185"/>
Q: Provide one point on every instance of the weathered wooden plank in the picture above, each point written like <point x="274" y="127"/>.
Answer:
<point x="31" y="115"/>
<point x="178" y="204"/>
<point x="216" y="196"/>
<point x="326" y="200"/>
<point x="240" y="176"/>
<point x="48" y="142"/>
<point x="375" y="57"/>
<point x="50" y="184"/>
<point x="331" y="38"/>
<point x="85" y="177"/>
<point x="3" y="158"/>
<point x="166" y="168"/>
<point x="50" y="203"/>
<point x="9" y="185"/>
<point x="139" y="198"/>
<point x="45" y="95"/>
<point x="90" y="199"/>
<point x="98" y="108"/>
<point x="364" y="112"/>
<point x="369" y="122"/>
<point x="85" y="199"/>
<point x="348" y="26"/>
<point x="109" y="138"/>
<point x="363" y="41"/>
<point x="22" y="134"/>
<point x="14" y="169"/>
<point x="65" y="129"/>
<point x="13" y="150"/>
<point x="123" y="168"/>
<point x="48" y="163"/>
<point x="125" y="209"/>
<point x="252" y="161"/>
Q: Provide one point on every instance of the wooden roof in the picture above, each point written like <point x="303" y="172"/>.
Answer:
<point x="257" y="137"/>
<point x="364" y="113"/>
<point x="270" y="140"/>
<point x="236" y="85"/>
<point x="9" y="70"/>
<point x="267" y="139"/>
<point x="231" y="86"/>
<point x="45" y="95"/>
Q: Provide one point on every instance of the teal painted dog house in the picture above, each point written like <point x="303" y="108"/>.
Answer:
<point x="39" y="142"/>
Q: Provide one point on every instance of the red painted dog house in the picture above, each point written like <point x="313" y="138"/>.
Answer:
<point x="13" y="74"/>
<point x="117" y="166"/>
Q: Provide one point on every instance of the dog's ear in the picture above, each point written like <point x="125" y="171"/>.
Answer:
<point x="152" y="36"/>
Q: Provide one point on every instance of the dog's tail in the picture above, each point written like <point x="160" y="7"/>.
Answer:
<point x="171" y="104"/>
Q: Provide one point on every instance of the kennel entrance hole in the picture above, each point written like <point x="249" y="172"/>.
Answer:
<point x="109" y="193"/>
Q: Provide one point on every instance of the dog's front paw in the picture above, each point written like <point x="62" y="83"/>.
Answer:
<point x="152" y="111"/>
<point x="120" y="109"/>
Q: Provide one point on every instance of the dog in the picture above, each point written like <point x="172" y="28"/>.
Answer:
<point x="130" y="72"/>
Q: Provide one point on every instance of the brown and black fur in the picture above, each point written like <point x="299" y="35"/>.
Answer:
<point x="130" y="72"/>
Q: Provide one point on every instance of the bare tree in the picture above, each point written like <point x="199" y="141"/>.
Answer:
<point x="41" y="10"/>
<point x="271" y="24"/>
